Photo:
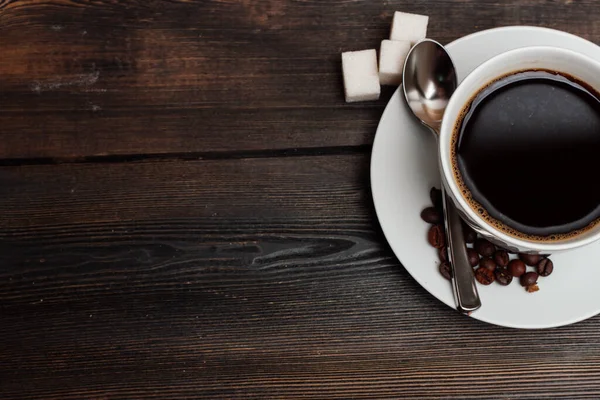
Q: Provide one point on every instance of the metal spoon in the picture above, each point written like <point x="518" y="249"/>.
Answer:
<point x="429" y="79"/>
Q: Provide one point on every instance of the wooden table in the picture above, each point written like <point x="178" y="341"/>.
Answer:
<point x="186" y="211"/>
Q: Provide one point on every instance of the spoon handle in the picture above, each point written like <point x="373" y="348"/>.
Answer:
<point x="463" y="279"/>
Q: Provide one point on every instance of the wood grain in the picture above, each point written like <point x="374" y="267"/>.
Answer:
<point x="89" y="78"/>
<point x="185" y="211"/>
<point x="252" y="278"/>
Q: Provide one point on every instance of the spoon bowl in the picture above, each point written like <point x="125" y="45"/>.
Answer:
<point x="429" y="80"/>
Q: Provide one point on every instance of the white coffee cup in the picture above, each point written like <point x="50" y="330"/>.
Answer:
<point x="560" y="60"/>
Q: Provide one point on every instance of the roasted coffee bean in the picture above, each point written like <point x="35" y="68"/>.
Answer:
<point x="485" y="248"/>
<point x="436" y="236"/>
<point x="487" y="263"/>
<point x="529" y="279"/>
<point x="484" y="276"/>
<point x="446" y="270"/>
<point x="443" y="254"/>
<point x="501" y="257"/>
<point x="469" y="233"/>
<point x="545" y="267"/>
<point x="431" y="215"/>
<point x="435" y="195"/>
<point x="503" y="277"/>
<point x="473" y="257"/>
<point x="516" y="267"/>
<point x="530" y="259"/>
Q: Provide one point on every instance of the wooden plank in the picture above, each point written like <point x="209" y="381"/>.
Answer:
<point x="292" y="188"/>
<point x="81" y="78"/>
<point x="252" y="278"/>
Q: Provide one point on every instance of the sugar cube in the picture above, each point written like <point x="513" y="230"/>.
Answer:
<point x="391" y="61"/>
<point x="411" y="27"/>
<point x="361" y="78"/>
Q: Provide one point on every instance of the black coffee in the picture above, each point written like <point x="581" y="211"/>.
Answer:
<point x="528" y="155"/>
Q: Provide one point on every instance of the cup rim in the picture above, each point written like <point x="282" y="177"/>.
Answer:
<point x="455" y="105"/>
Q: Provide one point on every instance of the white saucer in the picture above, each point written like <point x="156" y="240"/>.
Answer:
<point x="404" y="168"/>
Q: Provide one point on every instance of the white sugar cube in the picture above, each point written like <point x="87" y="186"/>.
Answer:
<point x="411" y="27"/>
<point x="391" y="61"/>
<point x="361" y="79"/>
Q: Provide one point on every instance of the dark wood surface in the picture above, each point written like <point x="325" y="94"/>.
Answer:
<point x="185" y="211"/>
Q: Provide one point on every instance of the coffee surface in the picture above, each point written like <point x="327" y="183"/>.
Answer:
<point x="528" y="151"/>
